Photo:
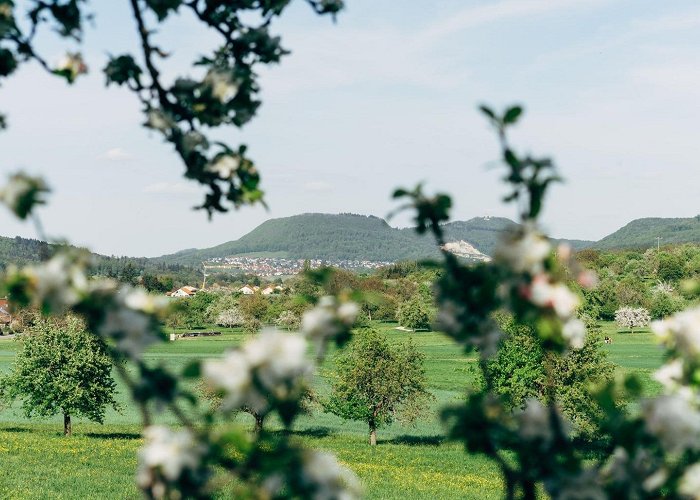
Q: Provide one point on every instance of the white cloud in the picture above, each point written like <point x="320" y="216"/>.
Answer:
<point x="171" y="188"/>
<point x="480" y="15"/>
<point x="116" y="155"/>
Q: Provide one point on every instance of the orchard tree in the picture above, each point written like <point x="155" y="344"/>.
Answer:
<point x="230" y="318"/>
<point x="376" y="382"/>
<point x="632" y="317"/>
<point x="62" y="369"/>
<point x="414" y="314"/>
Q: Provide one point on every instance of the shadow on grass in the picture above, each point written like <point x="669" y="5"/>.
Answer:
<point x="112" y="435"/>
<point x="415" y="440"/>
<point x="14" y="429"/>
<point x="317" y="432"/>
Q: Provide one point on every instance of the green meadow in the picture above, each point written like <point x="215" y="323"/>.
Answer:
<point x="409" y="462"/>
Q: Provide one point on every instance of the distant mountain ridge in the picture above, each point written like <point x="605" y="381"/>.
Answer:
<point x="366" y="237"/>
<point x="351" y="237"/>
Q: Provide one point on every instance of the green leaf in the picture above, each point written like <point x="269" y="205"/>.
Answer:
<point x="512" y="115"/>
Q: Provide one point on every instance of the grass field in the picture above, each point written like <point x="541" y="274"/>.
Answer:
<point x="410" y="462"/>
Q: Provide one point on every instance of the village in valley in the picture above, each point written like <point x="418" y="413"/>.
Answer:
<point x="274" y="266"/>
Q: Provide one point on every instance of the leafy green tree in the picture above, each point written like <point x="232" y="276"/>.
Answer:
<point x="414" y="314"/>
<point x="61" y="369"/>
<point x="254" y="306"/>
<point x="518" y="372"/>
<point x="377" y="382"/>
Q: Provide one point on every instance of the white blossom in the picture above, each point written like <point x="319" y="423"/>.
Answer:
<point x="130" y="329"/>
<point x="674" y="421"/>
<point x="682" y="330"/>
<point x="534" y="422"/>
<point x="224" y="166"/>
<point x="347" y="312"/>
<point x="690" y="482"/>
<point x="223" y="86"/>
<point x="169" y="452"/>
<point x="328" y="319"/>
<point x="140" y="300"/>
<point x="583" y="486"/>
<point x="230" y="374"/>
<point x="22" y="190"/>
<point x="670" y="375"/>
<point x="72" y="64"/>
<point x="271" y="365"/>
<point x="193" y="140"/>
<point x="543" y="293"/>
<point x="574" y="332"/>
<point x="58" y="283"/>
<point x="631" y="317"/>
<point x="524" y="251"/>
<point x="159" y="120"/>
<point x="327" y="478"/>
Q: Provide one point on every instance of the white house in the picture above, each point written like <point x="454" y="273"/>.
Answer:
<point x="247" y="290"/>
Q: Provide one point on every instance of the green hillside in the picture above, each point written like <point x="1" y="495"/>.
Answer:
<point x="21" y="251"/>
<point x="320" y="236"/>
<point x="642" y="233"/>
<point x="350" y="237"/>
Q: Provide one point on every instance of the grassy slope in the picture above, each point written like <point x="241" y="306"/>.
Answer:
<point x="411" y="462"/>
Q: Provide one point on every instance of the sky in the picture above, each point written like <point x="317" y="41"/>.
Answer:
<point x="384" y="97"/>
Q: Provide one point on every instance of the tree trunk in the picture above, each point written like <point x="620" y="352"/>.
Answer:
<point x="67" y="428"/>
<point x="258" y="423"/>
<point x="372" y="434"/>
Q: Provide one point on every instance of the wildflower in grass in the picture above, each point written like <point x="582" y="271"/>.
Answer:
<point x="674" y="421"/>
<point x="169" y="460"/>
<point x="525" y="250"/>
<point x="22" y="193"/>
<point x="327" y="479"/>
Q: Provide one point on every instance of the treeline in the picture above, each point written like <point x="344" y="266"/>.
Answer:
<point x="652" y="279"/>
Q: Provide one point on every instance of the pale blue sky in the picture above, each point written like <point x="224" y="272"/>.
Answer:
<point x="385" y="97"/>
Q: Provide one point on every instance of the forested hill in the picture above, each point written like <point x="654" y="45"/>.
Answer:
<point x="320" y="236"/>
<point x="642" y="233"/>
<point x="21" y="251"/>
<point x="348" y="236"/>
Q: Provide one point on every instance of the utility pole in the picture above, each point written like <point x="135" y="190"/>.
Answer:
<point x="204" y="272"/>
<point x="658" y="243"/>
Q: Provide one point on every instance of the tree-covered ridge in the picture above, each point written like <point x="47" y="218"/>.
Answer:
<point x="642" y="233"/>
<point x="21" y="251"/>
<point x="350" y="237"/>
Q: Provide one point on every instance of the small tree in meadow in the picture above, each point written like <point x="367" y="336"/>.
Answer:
<point x="632" y="317"/>
<point x="413" y="314"/>
<point x="230" y="318"/>
<point x="61" y="369"/>
<point x="377" y="382"/>
<point x="288" y="320"/>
